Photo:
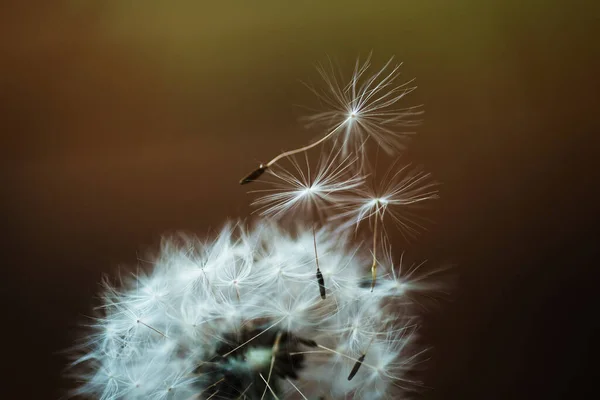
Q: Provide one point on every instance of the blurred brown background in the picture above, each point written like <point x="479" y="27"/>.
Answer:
<point x="125" y="120"/>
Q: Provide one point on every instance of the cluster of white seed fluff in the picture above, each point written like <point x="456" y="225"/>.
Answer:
<point x="204" y="322"/>
<point x="278" y="311"/>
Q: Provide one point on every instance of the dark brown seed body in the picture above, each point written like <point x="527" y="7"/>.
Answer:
<point x="321" y="281"/>
<point x="254" y="175"/>
<point x="356" y="367"/>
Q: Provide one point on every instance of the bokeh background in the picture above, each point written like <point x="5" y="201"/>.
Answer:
<point x="122" y="121"/>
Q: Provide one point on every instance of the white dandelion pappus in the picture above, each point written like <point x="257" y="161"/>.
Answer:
<point x="392" y="196"/>
<point x="208" y="342"/>
<point x="366" y="106"/>
<point x="311" y="190"/>
<point x="360" y="324"/>
<point x="414" y="283"/>
<point x="389" y="361"/>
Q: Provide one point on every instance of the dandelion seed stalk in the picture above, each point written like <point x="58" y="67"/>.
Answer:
<point x="319" y="275"/>
<point x="374" y="251"/>
<point x="262" y="168"/>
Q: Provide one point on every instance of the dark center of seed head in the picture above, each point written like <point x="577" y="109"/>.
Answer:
<point x="242" y="357"/>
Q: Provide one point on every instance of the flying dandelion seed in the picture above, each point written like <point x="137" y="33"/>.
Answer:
<point x="244" y="316"/>
<point x="358" y="110"/>
<point x="313" y="191"/>
<point x="395" y="195"/>
<point x="366" y="106"/>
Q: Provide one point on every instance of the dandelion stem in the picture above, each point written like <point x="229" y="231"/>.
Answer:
<point x="255" y="174"/>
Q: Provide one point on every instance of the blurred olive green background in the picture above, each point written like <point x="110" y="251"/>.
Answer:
<point x="124" y="120"/>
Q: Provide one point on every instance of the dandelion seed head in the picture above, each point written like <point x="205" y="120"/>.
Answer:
<point x="262" y="312"/>
<point x="183" y="344"/>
